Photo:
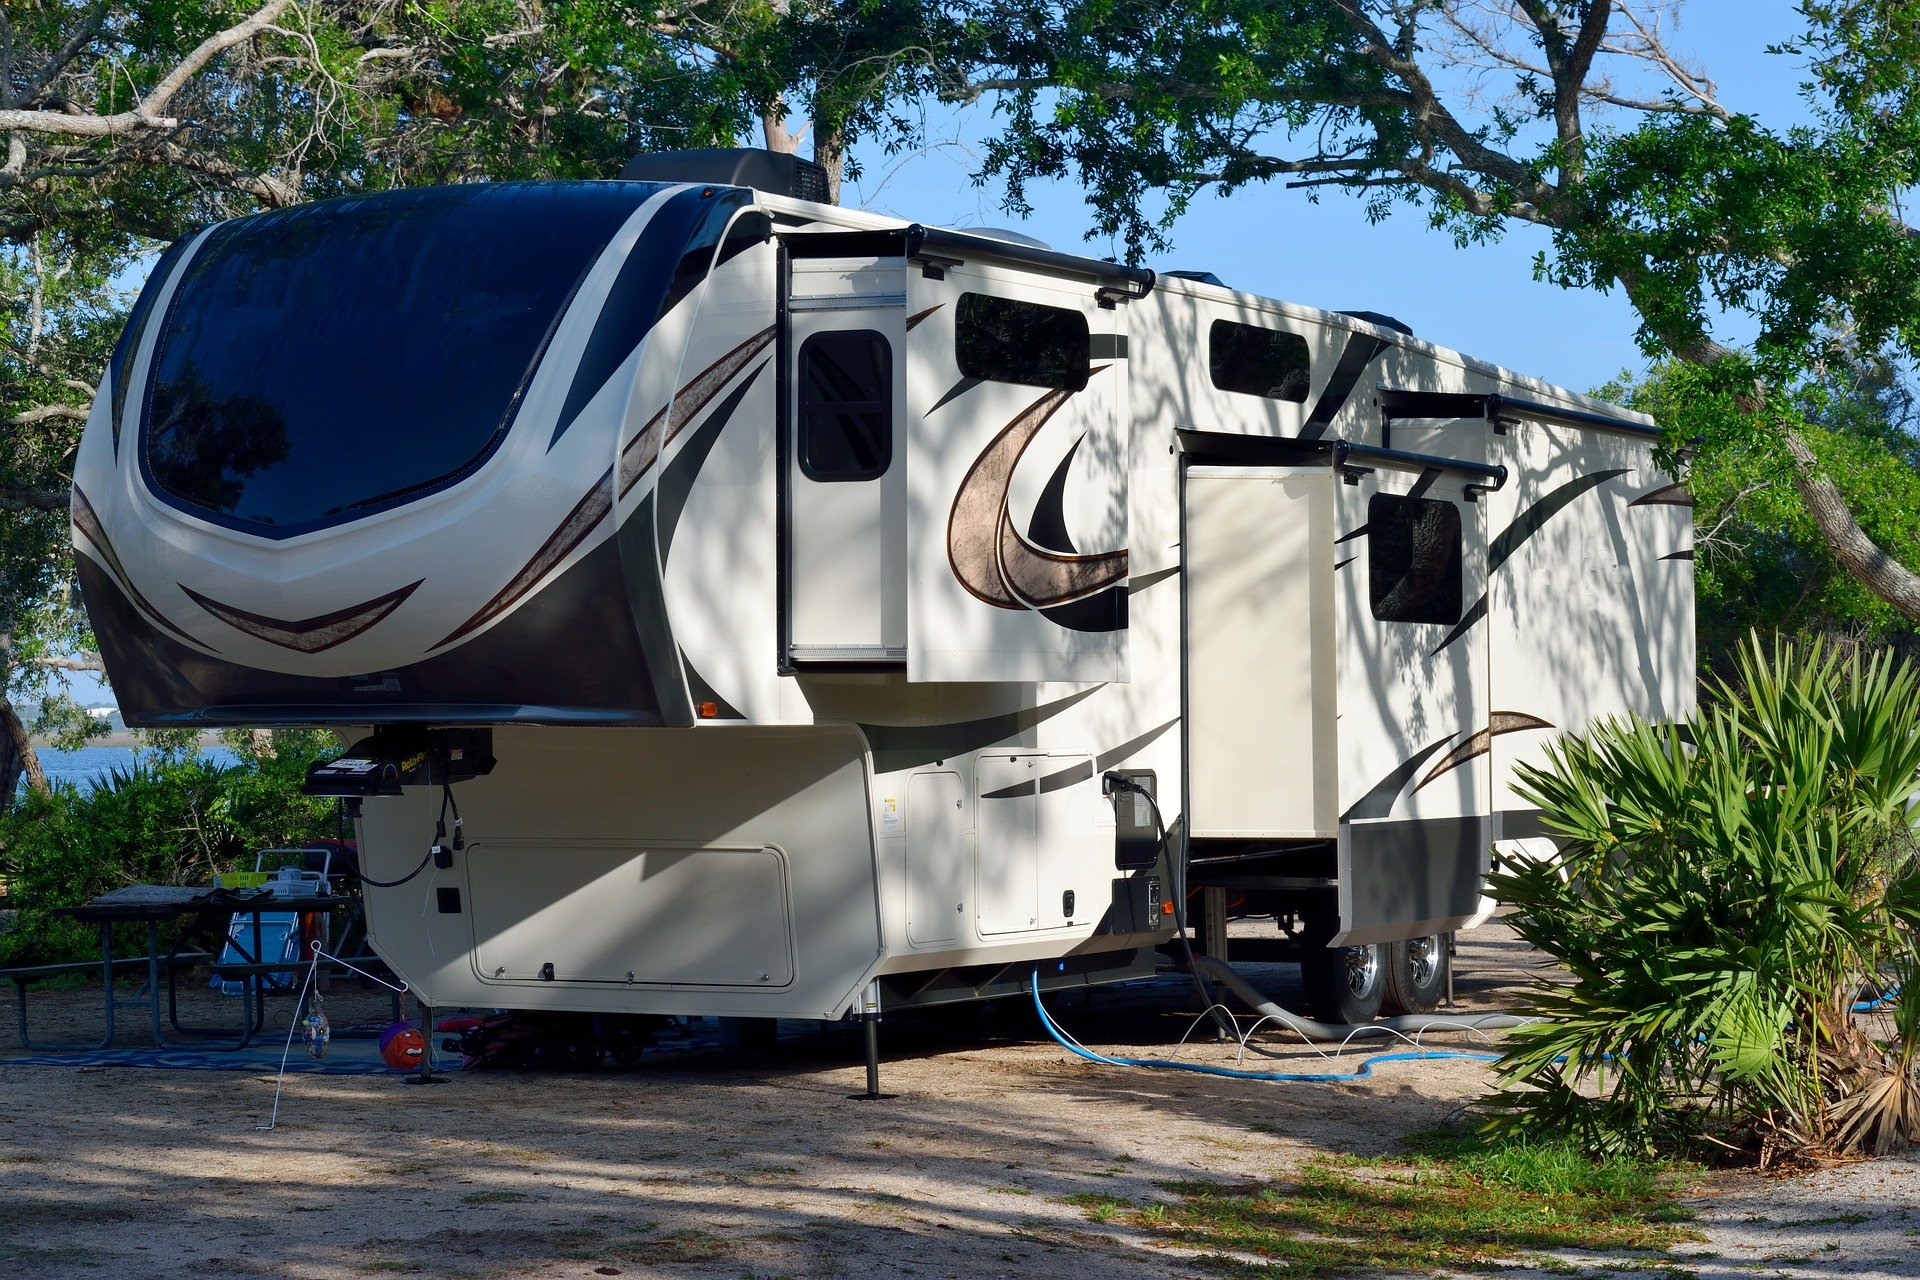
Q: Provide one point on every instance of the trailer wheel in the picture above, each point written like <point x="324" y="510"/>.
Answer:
<point x="1416" y="976"/>
<point x="1345" y="984"/>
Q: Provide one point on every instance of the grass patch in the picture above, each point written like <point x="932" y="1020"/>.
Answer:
<point x="1451" y="1203"/>
<point x="691" y="1245"/>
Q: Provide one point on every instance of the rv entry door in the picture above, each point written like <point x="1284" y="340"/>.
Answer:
<point x="844" y="475"/>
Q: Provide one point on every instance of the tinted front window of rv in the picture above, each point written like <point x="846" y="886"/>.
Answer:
<point x="846" y="405"/>
<point x="1006" y="340"/>
<point x="1413" y="558"/>
<point x="1257" y="362"/>
<point x="322" y="361"/>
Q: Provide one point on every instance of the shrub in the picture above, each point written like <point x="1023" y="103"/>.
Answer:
<point x="173" y="816"/>
<point x="1726" y="890"/>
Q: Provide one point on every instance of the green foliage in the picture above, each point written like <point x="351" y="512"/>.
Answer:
<point x="1759" y="560"/>
<point x="1724" y="891"/>
<point x="1458" y="1203"/>
<point x="172" y="817"/>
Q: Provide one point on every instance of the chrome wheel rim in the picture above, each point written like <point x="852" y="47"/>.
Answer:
<point x="1363" y="969"/>
<point x="1423" y="960"/>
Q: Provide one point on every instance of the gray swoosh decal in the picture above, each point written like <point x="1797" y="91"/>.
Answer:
<point x="905" y="746"/>
<point x="1378" y="803"/>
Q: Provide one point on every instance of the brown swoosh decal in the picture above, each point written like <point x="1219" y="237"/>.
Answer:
<point x="640" y="453"/>
<point x="1671" y="495"/>
<point x="1482" y="742"/>
<point x="308" y="635"/>
<point x="87" y="521"/>
<point x="644" y="449"/>
<point x="918" y="316"/>
<point x="990" y="557"/>
<point x="586" y="514"/>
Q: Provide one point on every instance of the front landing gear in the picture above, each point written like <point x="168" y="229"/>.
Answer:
<point x="870" y="1017"/>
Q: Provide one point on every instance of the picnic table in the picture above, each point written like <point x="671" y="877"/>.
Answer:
<point x="154" y="905"/>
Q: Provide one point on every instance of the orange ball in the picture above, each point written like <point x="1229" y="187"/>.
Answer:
<point x="402" y="1046"/>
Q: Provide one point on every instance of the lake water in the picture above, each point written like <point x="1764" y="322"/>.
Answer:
<point x="84" y="767"/>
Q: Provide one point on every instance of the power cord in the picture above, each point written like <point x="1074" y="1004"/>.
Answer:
<point x="440" y="852"/>
<point x="1113" y="781"/>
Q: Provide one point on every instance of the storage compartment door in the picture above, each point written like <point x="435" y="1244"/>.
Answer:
<point x="617" y="912"/>
<point x="939" y="855"/>
<point x="1008" y="889"/>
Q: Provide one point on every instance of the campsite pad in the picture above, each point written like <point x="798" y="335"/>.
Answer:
<point x="710" y="1164"/>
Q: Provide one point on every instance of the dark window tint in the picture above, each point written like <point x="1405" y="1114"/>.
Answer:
<point x="322" y="361"/>
<point x="1413" y="557"/>
<point x="1257" y="362"/>
<point x="121" y="366"/>
<point x="846" y="405"/>
<point x="1006" y="340"/>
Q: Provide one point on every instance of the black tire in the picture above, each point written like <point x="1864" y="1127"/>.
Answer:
<point x="1345" y="985"/>
<point x="1416" y="976"/>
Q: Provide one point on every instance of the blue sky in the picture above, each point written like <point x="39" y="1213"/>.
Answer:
<point x="1482" y="300"/>
<point x="1269" y="240"/>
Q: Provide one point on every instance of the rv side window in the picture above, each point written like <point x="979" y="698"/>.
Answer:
<point x="1413" y="557"/>
<point x="1006" y="340"/>
<point x="846" y="405"/>
<point x="1257" y="362"/>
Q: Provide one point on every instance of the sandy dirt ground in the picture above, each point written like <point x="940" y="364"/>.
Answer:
<point x="710" y="1163"/>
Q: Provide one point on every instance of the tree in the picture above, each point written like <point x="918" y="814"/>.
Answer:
<point x="1760" y="563"/>
<point x="1574" y="115"/>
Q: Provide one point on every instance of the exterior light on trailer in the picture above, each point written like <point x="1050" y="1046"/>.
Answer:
<point x="1166" y="906"/>
<point x="708" y="710"/>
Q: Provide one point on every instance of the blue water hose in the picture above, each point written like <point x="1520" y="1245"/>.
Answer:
<point x="1161" y="1064"/>
<point x="1867" y="1006"/>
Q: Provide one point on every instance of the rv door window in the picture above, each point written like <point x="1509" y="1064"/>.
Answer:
<point x="1413" y="557"/>
<point x="1257" y="362"/>
<point x="1006" y="340"/>
<point x="846" y="405"/>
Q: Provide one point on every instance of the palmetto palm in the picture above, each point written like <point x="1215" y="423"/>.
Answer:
<point x="1725" y="890"/>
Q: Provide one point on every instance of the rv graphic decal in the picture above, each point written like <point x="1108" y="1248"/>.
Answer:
<point x="639" y="455"/>
<point x="585" y="516"/>
<point x="88" y="524"/>
<point x="1378" y="802"/>
<point x="1482" y="742"/>
<point x="1080" y="772"/>
<point x="1354" y="359"/>
<point x="994" y="561"/>
<point x="1524" y="526"/>
<point x="918" y="316"/>
<point x="644" y="449"/>
<point x="1667" y="495"/>
<point x="309" y="635"/>
<point x="909" y="746"/>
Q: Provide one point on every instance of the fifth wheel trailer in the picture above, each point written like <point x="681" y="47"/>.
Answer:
<point x="793" y="599"/>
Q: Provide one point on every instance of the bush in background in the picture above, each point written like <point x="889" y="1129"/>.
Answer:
<point x="1726" y="891"/>
<point x="172" y="817"/>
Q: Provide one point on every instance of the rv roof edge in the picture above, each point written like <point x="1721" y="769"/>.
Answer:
<point x="922" y="239"/>
<point x="917" y="241"/>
